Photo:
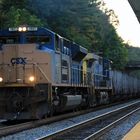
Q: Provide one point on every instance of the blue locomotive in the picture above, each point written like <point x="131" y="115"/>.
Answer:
<point x="42" y="73"/>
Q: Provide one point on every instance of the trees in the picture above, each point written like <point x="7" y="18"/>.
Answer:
<point x="84" y="23"/>
<point x="6" y="4"/>
<point x="14" y="13"/>
<point x="81" y="21"/>
<point x="17" y="17"/>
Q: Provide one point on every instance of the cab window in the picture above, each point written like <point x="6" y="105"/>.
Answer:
<point x="9" y="40"/>
<point x="38" y="39"/>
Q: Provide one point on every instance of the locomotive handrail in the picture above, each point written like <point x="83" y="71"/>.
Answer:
<point x="99" y="75"/>
<point x="46" y="77"/>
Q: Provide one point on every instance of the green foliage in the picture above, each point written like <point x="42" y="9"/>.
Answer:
<point x="14" y="13"/>
<point x="133" y="56"/>
<point x="78" y="20"/>
<point x="84" y="23"/>
<point x="6" y="4"/>
<point x="21" y="17"/>
<point x="133" y="53"/>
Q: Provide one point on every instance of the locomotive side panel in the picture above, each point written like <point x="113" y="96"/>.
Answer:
<point x="57" y="66"/>
<point x="43" y="67"/>
<point x="65" y="69"/>
<point x="9" y="54"/>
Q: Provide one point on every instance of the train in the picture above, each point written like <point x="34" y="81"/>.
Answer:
<point x="43" y="73"/>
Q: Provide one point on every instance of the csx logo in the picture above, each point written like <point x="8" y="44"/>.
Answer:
<point x="18" y="60"/>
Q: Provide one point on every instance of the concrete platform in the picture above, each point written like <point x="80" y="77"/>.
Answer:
<point x="134" y="133"/>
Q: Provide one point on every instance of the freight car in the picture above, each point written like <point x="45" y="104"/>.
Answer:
<point x="124" y="85"/>
<point x="42" y="73"/>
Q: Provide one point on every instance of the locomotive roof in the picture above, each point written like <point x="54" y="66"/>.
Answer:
<point x="33" y="30"/>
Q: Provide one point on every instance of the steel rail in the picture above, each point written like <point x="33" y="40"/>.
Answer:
<point x="7" y="130"/>
<point x="102" y="131"/>
<point x="83" y="123"/>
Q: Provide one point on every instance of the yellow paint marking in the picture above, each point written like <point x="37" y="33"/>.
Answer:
<point x="133" y="134"/>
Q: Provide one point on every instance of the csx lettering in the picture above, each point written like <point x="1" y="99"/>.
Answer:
<point x="18" y="60"/>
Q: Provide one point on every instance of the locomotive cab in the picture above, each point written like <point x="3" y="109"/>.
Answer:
<point x="25" y="72"/>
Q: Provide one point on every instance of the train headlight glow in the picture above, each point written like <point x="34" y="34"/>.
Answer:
<point x="31" y="78"/>
<point x="20" y="29"/>
<point x="24" y="29"/>
<point x="1" y="79"/>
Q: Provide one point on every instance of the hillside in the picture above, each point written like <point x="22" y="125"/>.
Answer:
<point x="133" y="53"/>
<point x="80" y="21"/>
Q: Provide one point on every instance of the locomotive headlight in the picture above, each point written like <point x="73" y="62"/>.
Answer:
<point x="1" y="79"/>
<point x="31" y="78"/>
<point x="20" y="29"/>
<point x="24" y="29"/>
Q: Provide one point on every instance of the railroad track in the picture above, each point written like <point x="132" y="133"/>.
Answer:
<point x="105" y="129"/>
<point x="95" y="127"/>
<point x="7" y="130"/>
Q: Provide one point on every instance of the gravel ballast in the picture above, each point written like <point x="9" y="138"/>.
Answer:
<point x="36" y="133"/>
<point x="122" y="129"/>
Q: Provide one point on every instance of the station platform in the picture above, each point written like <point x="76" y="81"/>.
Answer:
<point x="134" y="133"/>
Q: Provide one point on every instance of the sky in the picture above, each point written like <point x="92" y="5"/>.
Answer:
<point x="129" y="27"/>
